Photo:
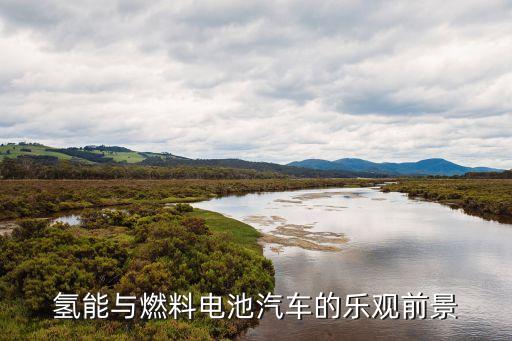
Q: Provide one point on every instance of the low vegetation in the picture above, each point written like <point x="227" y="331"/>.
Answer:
<point x="49" y="167"/>
<point x="490" y="175"/>
<point x="487" y="198"/>
<point x="40" y="198"/>
<point x="142" y="248"/>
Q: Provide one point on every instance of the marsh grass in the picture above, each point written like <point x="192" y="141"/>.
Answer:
<point x="487" y="198"/>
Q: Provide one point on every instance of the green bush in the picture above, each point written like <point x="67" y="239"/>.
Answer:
<point x="182" y="208"/>
<point x="133" y="251"/>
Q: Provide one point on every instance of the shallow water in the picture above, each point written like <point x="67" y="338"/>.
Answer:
<point x="71" y="219"/>
<point x="7" y="226"/>
<point x="395" y="245"/>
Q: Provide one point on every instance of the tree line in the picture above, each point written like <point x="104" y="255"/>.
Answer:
<point x="48" y="167"/>
<point x="489" y="175"/>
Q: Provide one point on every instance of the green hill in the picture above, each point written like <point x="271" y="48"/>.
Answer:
<point x="87" y="154"/>
<point x="14" y="150"/>
<point x="109" y="156"/>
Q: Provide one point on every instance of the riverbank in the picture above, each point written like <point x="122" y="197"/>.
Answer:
<point x="41" y="198"/>
<point x="231" y="229"/>
<point x="396" y="245"/>
<point x="490" y="199"/>
<point x="143" y="248"/>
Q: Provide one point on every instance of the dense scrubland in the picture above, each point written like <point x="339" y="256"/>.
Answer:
<point x="507" y="174"/>
<point x="487" y="198"/>
<point x="36" y="198"/>
<point x="142" y="248"/>
<point x="145" y="246"/>
<point x="41" y="167"/>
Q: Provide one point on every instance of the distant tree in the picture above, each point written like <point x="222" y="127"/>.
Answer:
<point x="104" y="148"/>
<point x="10" y="169"/>
<point x="489" y="175"/>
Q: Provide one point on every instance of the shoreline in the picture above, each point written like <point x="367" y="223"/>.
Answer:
<point x="40" y="198"/>
<point x="473" y="196"/>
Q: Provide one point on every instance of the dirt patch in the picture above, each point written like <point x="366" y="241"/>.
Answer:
<point x="264" y="220"/>
<point x="304" y="244"/>
<point x="319" y="237"/>
<point x="278" y="219"/>
<point x="302" y="236"/>
<point x="6" y="227"/>
<point x="296" y="235"/>
<point x="258" y="219"/>
<point x="297" y="226"/>
<point x="326" y="195"/>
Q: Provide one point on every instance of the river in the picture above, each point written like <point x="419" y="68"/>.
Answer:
<point x="393" y="245"/>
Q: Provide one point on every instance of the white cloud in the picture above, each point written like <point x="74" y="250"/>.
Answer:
<point x="263" y="80"/>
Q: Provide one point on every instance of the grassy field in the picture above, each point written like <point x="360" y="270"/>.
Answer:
<point x="487" y="198"/>
<point x="128" y="157"/>
<point x="14" y="151"/>
<point x="232" y="229"/>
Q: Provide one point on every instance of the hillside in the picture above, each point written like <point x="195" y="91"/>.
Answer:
<point x="88" y="154"/>
<point x="78" y="157"/>
<point x="346" y="167"/>
<point x="435" y="166"/>
<point x="14" y="150"/>
<point x="261" y="167"/>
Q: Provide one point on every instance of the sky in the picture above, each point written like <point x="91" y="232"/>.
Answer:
<point x="262" y="80"/>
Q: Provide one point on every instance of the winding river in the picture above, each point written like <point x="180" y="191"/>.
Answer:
<point x="388" y="244"/>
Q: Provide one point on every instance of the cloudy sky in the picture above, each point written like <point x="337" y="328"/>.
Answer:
<point x="262" y="80"/>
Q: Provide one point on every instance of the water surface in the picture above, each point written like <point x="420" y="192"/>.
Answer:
<point x="395" y="245"/>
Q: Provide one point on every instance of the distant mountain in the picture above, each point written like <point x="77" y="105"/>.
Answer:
<point x="342" y="168"/>
<point x="261" y="167"/>
<point x="94" y="154"/>
<point x="424" y="167"/>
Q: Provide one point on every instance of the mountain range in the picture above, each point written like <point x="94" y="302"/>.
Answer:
<point x="435" y="166"/>
<point x="347" y="167"/>
<point x="93" y="154"/>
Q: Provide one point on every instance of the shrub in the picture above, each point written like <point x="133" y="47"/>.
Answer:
<point x="182" y="208"/>
<point x="156" y="252"/>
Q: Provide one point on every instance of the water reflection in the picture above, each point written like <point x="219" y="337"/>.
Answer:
<point x="396" y="245"/>
<point x="71" y="219"/>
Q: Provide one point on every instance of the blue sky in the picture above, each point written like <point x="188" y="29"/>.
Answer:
<point x="263" y="80"/>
